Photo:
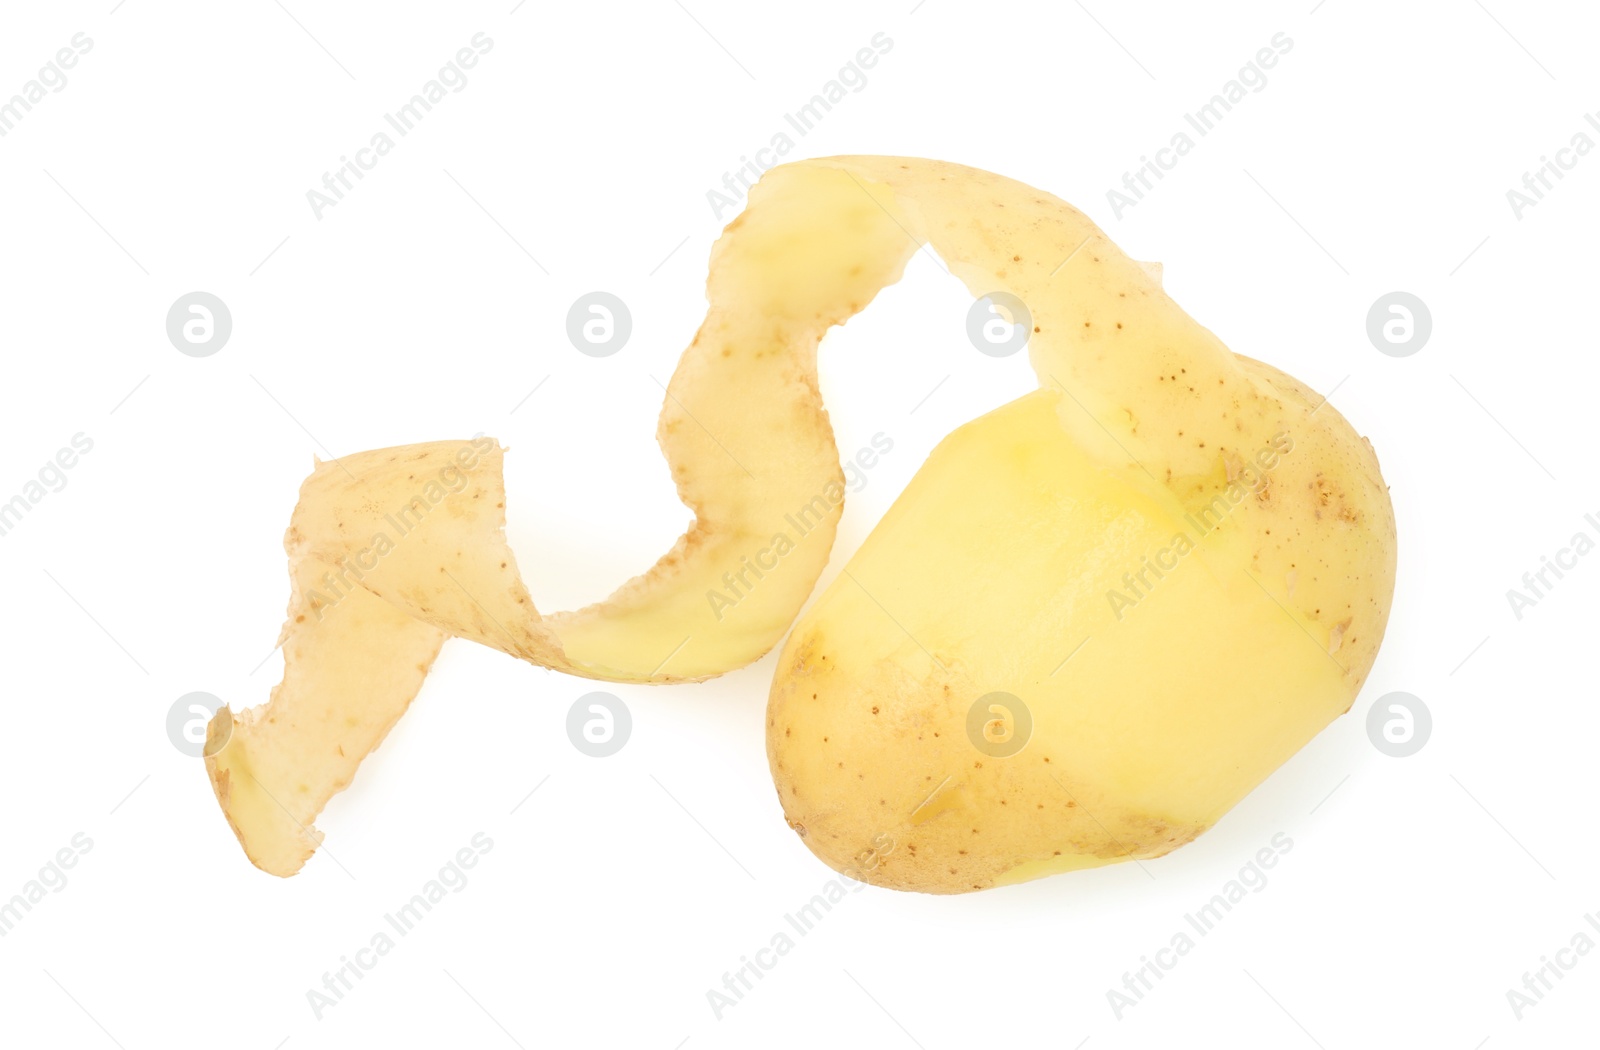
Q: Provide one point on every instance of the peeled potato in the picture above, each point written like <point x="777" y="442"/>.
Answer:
<point x="1098" y="616"/>
<point x="970" y="687"/>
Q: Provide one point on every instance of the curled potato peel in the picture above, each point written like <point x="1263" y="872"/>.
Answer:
<point x="998" y="560"/>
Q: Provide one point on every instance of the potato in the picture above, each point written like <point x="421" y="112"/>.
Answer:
<point x="1120" y="694"/>
<point x="1098" y="616"/>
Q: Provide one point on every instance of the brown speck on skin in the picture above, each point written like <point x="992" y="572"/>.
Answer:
<point x="1072" y="805"/>
<point x="874" y="710"/>
<point x="300" y="619"/>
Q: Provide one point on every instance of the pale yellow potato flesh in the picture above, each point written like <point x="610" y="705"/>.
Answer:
<point x="1143" y="417"/>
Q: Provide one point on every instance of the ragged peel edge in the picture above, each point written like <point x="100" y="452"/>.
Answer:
<point x="777" y="282"/>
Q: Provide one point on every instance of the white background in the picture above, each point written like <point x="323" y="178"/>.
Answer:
<point x="432" y="300"/>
